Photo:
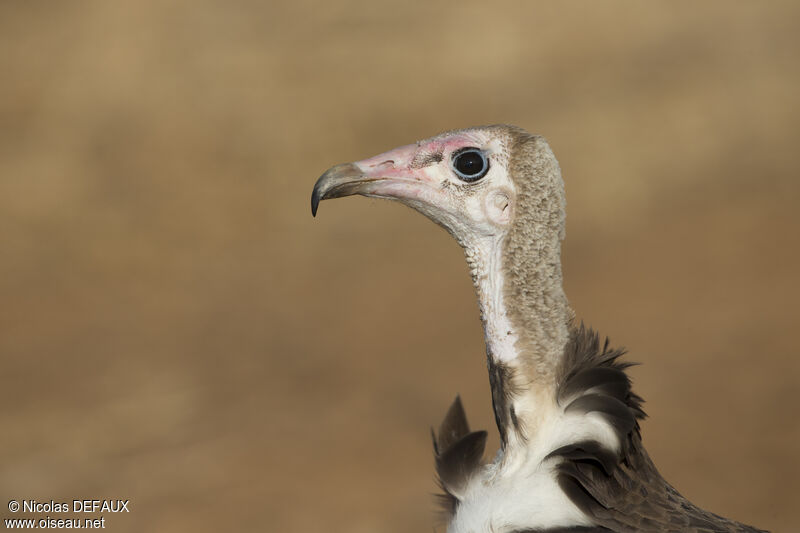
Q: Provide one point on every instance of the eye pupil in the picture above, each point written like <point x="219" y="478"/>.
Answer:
<point x="470" y="164"/>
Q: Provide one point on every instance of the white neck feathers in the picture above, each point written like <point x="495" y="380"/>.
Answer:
<point x="485" y="263"/>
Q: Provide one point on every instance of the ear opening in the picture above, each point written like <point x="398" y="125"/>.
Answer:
<point x="499" y="206"/>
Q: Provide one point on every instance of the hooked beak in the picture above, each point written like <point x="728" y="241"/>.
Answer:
<point x="342" y="180"/>
<point x="388" y="175"/>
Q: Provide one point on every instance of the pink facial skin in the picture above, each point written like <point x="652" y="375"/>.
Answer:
<point x="412" y="174"/>
<point x="408" y="162"/>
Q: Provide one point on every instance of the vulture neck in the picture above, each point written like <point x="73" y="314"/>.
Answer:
<point x="525" y="319"/>
<point x="525" y="313"/>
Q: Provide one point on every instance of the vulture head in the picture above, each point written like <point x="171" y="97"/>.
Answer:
<point x="468" y="181"/>
<point x="498" y="191"/>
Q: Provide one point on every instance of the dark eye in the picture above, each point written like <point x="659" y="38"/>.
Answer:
<point x="470" y="164"/>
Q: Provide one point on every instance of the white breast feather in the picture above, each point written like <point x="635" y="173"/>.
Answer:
<point x="519" y="489"/>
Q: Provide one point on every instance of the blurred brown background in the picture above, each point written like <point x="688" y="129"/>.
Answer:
<point x="178" y="331"/>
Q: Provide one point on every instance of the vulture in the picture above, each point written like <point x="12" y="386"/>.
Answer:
<point x="571" y="457"/>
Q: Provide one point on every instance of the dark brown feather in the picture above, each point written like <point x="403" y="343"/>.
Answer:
<point x="501" y="382"/>
<point x="621" y="492"/>
<point x="453" y="427"/>
<point x="456" y="464"/>
<point x="458" y="453"/>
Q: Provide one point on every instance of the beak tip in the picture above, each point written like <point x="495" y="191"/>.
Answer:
<point x="315" y="199"/>
<point x="341" y="180"/>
